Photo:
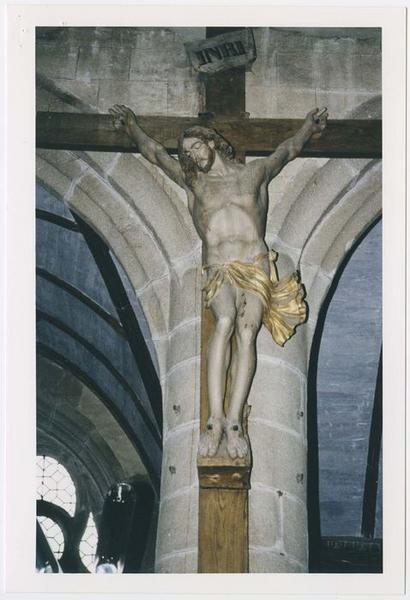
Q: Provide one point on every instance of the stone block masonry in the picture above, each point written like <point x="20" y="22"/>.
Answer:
<point x="295" y="70"/>
<point x="124" y="65"/>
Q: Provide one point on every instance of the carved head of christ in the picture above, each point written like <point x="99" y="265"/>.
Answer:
<point x="201" y="152"/>
<point x="196" y="150"/>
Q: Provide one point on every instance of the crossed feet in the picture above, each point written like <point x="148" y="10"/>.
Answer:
<point x="209" y="441"/>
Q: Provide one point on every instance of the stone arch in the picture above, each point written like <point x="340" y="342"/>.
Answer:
<point x="164" y="269"/>
<point x="151" y="237"/>
<point x="92" y="490"/>
<point x="330" y="250"/>
<point x="64" y="406"/>
<point x="337" y="231"/>
<point x="313" y="412"/>
<point x="324" y="209"/>
<point x="119" y="194"/>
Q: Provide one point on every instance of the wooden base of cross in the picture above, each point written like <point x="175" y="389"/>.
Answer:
<point x="223" y="493"/>
<point x="223" y="511"/>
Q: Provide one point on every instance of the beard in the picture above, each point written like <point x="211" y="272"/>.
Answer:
<point x="206" y="166"/>
<point x="191" y="168"/>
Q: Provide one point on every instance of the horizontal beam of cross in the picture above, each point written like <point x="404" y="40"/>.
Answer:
<point x="254" y="137"/>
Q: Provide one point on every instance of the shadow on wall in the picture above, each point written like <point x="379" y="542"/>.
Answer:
<point x="323" y="469"/>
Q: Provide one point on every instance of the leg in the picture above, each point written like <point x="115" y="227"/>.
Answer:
<point x="248" y="322"/>
<point x="224" y="311"/>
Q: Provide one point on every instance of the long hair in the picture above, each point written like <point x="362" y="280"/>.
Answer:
<point x="189" y="168"/>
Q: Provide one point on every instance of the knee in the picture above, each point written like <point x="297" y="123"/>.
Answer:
<point x="246" y="334"/>
<point x="224" y="326"/>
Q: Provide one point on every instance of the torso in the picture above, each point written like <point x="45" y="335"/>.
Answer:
<point x="229" y="213"/>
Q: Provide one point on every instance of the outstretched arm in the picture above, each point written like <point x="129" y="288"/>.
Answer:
<point x="315" y="122"/>
<point x="153" y="151"/>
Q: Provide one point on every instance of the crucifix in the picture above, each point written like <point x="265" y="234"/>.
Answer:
<point x="224" y="463"/>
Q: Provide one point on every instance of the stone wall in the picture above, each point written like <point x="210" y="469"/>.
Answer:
<point x="121" y="65"/>
<point x="294" y="70"/>
<point x="102" y="455"/>
<point x="299" y="69"/>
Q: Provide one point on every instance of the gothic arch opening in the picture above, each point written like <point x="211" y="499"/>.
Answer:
<point x="98" y="392"/>
<point x="344" y="409"/>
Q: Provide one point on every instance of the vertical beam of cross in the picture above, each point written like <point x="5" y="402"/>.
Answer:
<point x="223" y="482"/>
<point x="225" y="90"/>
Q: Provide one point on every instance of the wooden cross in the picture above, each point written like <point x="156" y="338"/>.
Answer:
<point x="224" y="483"/>
<point x="259" y="137"/>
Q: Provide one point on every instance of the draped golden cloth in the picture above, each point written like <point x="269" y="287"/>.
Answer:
<point x="283" y="299"/>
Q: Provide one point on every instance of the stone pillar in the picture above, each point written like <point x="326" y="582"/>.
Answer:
<point x="177" y="535"/>
<point x="277" y="428"/>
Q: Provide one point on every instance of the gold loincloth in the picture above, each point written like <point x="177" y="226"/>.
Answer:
<point x="283" y="299"/>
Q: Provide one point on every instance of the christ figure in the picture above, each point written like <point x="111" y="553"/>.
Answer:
<point x="228" y="203"/>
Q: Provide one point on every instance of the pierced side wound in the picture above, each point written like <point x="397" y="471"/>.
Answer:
<point x="235" y="428"/>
